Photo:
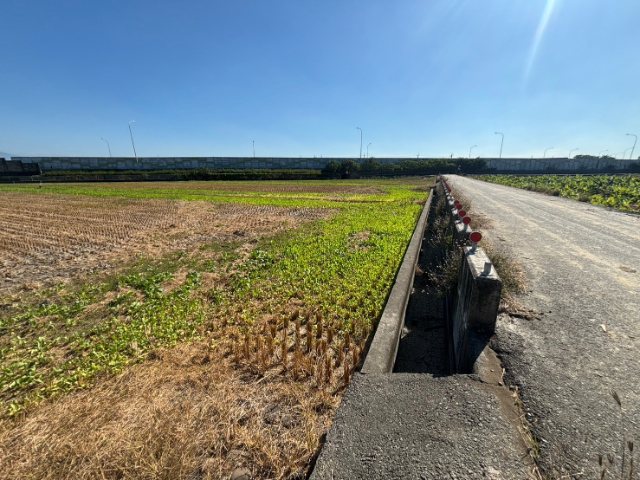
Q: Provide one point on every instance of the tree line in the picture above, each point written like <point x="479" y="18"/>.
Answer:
<point x="371" y="166"/>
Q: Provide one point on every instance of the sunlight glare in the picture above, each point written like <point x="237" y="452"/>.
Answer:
<point x="537" y="39"/>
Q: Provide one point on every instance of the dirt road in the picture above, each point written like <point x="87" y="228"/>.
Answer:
<point x="583" y="267"/>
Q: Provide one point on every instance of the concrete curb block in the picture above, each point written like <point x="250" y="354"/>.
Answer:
<point x="384" y="347"/>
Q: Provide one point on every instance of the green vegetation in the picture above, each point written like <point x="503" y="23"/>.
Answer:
<point x="620" y="192"/>
<point x="390" y="191"/>
<point x="339" y="269"/>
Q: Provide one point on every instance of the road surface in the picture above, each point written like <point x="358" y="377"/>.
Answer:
<point x="583" y="269"/>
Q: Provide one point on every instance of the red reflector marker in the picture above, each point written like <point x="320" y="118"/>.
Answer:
<point x="462" y="214"/>
<point x="466" y="220"/>
<point x="475" y="237"/>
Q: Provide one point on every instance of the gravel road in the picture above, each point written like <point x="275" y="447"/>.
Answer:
<point x="583" y="268"/>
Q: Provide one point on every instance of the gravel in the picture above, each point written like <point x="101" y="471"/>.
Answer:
<point x="583" y="267"/>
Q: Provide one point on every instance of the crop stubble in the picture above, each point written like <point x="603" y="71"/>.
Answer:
<point x="56" y="237"/>
<point x="258" y="385"/>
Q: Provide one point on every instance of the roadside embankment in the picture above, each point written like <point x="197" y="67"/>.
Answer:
<point x="436" y="424"/>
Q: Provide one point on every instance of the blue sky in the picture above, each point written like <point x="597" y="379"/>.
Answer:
<point x="206" y="78"/>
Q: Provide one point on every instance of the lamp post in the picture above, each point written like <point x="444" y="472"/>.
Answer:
<point x="570" y="151"/>
<point x="501" y="143"/>
<point x="471" y="149"/>
<point x="107" y="146"/>
<point x="368" y="150"/>
<point x="615" y="155"/>
<point x="253" y="142"/>
<point x="132" y="143"/>
<point x="360" y="141"/>
<point x="599" y="157"/>
<point x="634" y="144"/>
<point x="625" y="152"/>
<point x="545" y="152"/>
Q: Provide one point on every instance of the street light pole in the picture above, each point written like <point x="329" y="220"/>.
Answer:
<point x="368" y="150"/>
<point x="625" y="152"/>
<point x="132" y="143"/>
<point x="107" y="146"/>
<point x="471" y="149"/>
<point x="570" y="151"/>
<point x="254" y="148"/>
<point x="634" y="144"/>
<point x="545" y="152"/>
<point x="600" y="154"/>
<point x="360" y="141"/>
<point x="501" y="143"/>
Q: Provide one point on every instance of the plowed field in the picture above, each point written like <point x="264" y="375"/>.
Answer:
<point x="56" y="237"/>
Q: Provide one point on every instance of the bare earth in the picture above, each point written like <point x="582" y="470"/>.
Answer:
<point x="47" y="238"/>
<point x="583" y="267"/>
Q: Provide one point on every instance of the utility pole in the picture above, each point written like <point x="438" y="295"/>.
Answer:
<point x="107" y="146"/>
<point x="501" y="143"/>
<point x="132" y="143"/>
<point x="634" y="144"/>
<point x="360" y="141"/>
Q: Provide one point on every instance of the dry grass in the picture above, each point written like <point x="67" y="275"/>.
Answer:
<point x="56" y="237"/>
<point x="187" y="412"/>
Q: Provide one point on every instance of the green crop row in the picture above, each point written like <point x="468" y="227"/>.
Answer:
<point x="617" y="191"/>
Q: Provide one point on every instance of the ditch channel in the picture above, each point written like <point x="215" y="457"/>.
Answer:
<point x="424" y="343"/>
<point x="417" y="417"/>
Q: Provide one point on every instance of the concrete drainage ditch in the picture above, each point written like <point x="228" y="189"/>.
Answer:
<point x="421" y="330"/>
<point x="429" y="402"/>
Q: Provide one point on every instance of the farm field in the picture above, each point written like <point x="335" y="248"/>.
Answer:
<point x="187" y="330"/>
<point x="620" y="192"/>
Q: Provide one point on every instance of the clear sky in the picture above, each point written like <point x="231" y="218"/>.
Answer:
<point x="429" y="77"/>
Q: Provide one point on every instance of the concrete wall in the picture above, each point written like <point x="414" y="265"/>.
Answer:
<point x="178" y="163"/>
<point x="558" y="164"/>
<point x="473" y="310"/>
<point x="476" y="305"/>
<point x="171" y="163"/>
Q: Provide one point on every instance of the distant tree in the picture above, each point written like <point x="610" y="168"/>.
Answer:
<point x="349" y="167"/>
<point x="332" y="168"/>
<point x="371" y="165"/>
<point x="579" y="157"/>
